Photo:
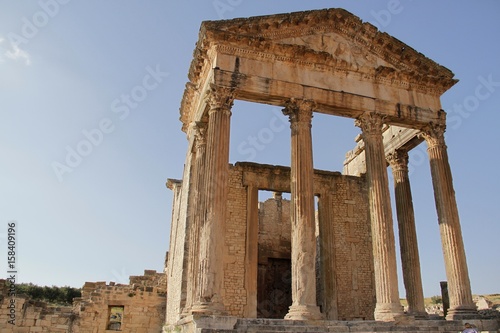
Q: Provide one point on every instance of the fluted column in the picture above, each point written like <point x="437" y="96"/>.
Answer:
<point x="410" y="260"/>
<point x="461" y="304"/>
<point x="212" y="229"/>
<point x="198" y="212"/>
<point x="386" y="282"/>
<point x="304" y="305"/>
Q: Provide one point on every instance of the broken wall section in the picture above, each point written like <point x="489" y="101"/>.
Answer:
<point x="142" y="305"/>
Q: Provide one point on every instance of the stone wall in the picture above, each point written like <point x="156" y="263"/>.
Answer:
<point x="34" y="316"/>
<point x="143" y="303"/>
<point x="352" y="244"/>
<point x="345" y="255"/>
<point x="143" y="307"/>
<point x="234" y="260"/>
<point x="274" y="228"/>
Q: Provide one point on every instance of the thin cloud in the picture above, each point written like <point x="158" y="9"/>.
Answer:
<point x="11" y="51"/>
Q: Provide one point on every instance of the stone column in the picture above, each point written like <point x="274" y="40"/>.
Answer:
<point x="410" y="260"/>
<point x="197" y="212"/>
<point x="461" y="304"/>
<point x="304" y="305"/>
<point x="384" y="253"/>
<point x="211" y="264"/>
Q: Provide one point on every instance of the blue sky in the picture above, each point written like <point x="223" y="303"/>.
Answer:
<point x="68" y="69"/>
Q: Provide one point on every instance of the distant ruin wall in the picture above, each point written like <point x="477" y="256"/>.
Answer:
<point x="142" y="305"/>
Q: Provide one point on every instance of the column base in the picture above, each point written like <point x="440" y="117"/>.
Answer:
<point x="208" y="309"/>
<point x="419" y="314"/>
<point x="185" y="312"/>
<point x="198" y="323"/>
<point x="304" y="312"/>
<point x="462" y="312"/>
<point x="388" y="311"/>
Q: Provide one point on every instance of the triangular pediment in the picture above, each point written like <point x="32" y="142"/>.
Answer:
<point x="329" y="50"/>
<point x="335" y="32"/>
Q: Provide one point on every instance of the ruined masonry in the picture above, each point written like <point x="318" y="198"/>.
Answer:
<point x="232" y="269"/>
<point x="138" y="307"/>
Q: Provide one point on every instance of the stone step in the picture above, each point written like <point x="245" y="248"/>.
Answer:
<point x="404" y="325"/>
<point x="279" y="325"/>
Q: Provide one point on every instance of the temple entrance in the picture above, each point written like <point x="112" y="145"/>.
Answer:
<point x="274" y="277"/>
<point x="274" y="286"/>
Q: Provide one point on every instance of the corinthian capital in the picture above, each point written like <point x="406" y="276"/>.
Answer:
<point x="370" y="123"/>
<point x="200" y="133"/>
<point x="398" y="160"/>
<point x="433" y="134"/>
<point x="220" y="98"/>
<point x="299" y="110"/>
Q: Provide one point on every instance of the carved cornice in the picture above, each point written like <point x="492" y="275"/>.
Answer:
<point x="186" y="105"/>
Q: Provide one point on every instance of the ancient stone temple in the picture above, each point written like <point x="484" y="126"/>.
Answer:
<point x="222" y="270"/>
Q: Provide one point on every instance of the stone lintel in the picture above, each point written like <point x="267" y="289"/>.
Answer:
<point x="277" y="177"/>
<point x="264" y="90"/>
<point x="395" y="138"/>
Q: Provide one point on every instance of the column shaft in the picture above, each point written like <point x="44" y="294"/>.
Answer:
<point x="461" y="304"/>
<point x="198" y="213"/>
<point x="211" y="265"/>
<point x="407" y="234"/>
<point x="386" y="282"/>
<point x="304" y="305"/>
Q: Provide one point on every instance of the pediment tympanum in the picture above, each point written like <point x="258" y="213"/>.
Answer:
<point x="340" y="48"/>
<point x="334" y="31"/>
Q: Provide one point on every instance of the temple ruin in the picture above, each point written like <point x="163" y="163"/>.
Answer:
<point x="342" y="264"/>
<point x="323" y="260"/>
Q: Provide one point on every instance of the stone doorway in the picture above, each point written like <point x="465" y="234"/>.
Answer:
<point x="274" y="288"/>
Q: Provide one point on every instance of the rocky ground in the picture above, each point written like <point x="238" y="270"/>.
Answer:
<point x="488" y="306"/>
